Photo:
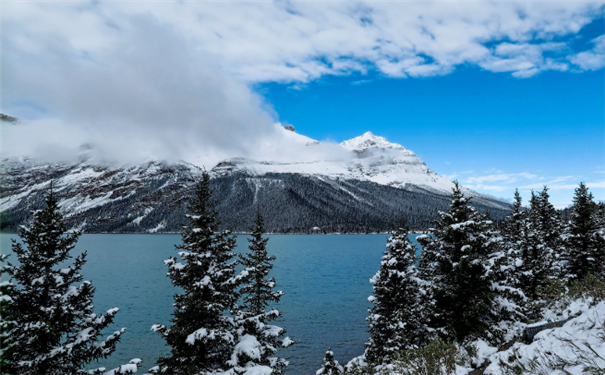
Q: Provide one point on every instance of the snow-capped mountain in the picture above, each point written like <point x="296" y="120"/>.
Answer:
<point x="365" y="186"/>
<point x="366" y="158"/>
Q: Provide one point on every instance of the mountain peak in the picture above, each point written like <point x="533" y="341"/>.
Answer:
<point x="369" y="140"/>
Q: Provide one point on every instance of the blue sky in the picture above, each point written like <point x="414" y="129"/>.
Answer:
<point x="495" y="94"/>
<point x="470" y="123"/>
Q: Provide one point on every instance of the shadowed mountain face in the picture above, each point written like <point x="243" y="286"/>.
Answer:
<point x="152" y="197"/>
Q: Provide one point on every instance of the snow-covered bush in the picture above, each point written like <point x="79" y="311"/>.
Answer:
<point x="438" y="357"/>
<point x="330" y="365"/>
<point x="557" y="295"/>
<point x="574" y="349"/>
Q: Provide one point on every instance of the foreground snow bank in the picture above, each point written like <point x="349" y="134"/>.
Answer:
<point x="577" y="347"/>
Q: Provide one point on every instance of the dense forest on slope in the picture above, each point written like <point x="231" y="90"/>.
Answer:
<point x="153" y="199"/>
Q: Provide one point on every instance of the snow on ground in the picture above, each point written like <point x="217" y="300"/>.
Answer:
<point x="137" y="221"/>
<point x="574" y="348"/>
<point x="159" y="227"/>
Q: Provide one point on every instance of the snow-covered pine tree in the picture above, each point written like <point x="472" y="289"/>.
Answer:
<point x="513" y="226"/>
<point x="5" y="300"/>
<point x="540" y="247"/>
<point x="585" y="246"/>
<point x="202" y="335"/>
<point x="257" y="340"/>
<point x="398" y="319"/>
<point x="513" y="232"/>
<point x="459" y="261"/>
<point x="54" y="328"/>
<point x="330" y="366"/>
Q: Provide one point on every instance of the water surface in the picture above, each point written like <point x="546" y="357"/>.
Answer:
<point x="325" y="279"/>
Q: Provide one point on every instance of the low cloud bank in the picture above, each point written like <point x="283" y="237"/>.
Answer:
<point x="173" y="80"/>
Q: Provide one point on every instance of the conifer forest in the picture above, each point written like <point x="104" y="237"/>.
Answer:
<point x="479" y="297"/>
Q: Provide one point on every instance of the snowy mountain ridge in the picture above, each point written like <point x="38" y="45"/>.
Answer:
<point x="367" y="190"/>
<point x="369" y="158"/>
<point x="369" y="140"/>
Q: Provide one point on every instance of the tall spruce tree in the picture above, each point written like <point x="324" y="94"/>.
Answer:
<point x="202" y="335"/>
<point x="459" y="261"/>
<point x="258" y="341"/>
<point x="6" y="290"/>
<point x="53" y="327"/>
<point x="540" y="247"/>
<point x="330" y="365"/>
<point x="398" y="318"/>
<point x="585" y="246"/>
<point x="513" y="230"/>
<point x="513" y="225"/>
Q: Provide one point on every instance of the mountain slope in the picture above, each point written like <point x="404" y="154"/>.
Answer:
<point x="364" y="158"/>
<point x="367" y="190"/>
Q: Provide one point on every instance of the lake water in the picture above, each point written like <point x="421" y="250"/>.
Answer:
<point x="325" y="279"/>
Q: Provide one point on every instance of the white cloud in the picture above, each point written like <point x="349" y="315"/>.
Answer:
<point x="561" y="187"/>
<point x="135" y="100"/>
<point x="173" y="79"/>
<point x="507" y="178"/>
<point x="292" y="41"/>
<point x="591" y="60"/>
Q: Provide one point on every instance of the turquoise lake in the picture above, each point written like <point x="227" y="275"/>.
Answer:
<point x="325" y="279"/>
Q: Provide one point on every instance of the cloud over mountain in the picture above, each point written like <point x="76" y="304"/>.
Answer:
<point x="175" y="79"/>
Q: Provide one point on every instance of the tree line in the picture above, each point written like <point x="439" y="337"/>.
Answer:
<point x="471" y="280"/>
<point x="290" y="203"/>
<point x="221" y="323"/>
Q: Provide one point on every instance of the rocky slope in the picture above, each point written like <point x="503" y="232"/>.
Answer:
<point x="367" y="191"/>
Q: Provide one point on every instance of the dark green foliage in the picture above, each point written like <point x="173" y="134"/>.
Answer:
<point x="584" y="244"/>
<point x="539" y="246"/>
<point x="257" y="291"/>
<point x="201" y="336"/>
<point x="513" y="231"/>
<point x="458" y="261"/>
<point x="401" y="306"/>
<point x="54" y="329"/>
<point x="557" y="294"/>
<point x="330" y="365"/>
<point x="438" y="357"/>
<point x="252" y="317"/>
<point x="513" y="226"/>
<point x="6" y="290"/>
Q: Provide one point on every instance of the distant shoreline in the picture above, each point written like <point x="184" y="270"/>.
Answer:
<point x="246" y="233"/>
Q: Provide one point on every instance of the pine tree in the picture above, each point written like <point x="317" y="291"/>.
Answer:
<point x="585" y="247"/>
<point x="6" y="290"/>
<point x="258" y="341"/>
<point x="54" y="329"/>
<point x="513" y="230"/>
<point x="459" y="262"/>
<point x="202" y="335"/>
<point x="398" y="318"/>
<point x="330" y="366"/>
<point x="540" y="246"/>
<point x="513" y="226"/>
